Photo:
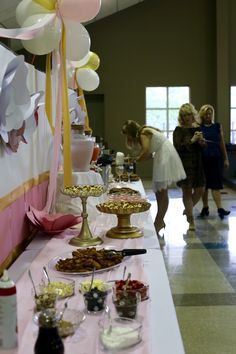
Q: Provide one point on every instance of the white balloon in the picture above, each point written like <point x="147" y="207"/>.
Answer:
<point x="47" y="40"/>
<point x="77" y="40"/>
<point x="87" y="79"/>
<point x="28" y="8"/>
<point x="79" y="63"/>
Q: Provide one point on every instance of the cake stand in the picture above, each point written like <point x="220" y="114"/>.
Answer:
<point x="85" y="237"/>
<point x="123" y="211"/>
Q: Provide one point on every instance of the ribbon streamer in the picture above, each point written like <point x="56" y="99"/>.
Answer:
<point x="47" y="4"/>
<point x="48" y="93"/>
<point x="66" y="116"/>
<point x="27" y="32"/>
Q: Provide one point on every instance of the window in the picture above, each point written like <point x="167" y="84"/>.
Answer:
<point x="162" y="106"/>
<point x="233" y="115"/>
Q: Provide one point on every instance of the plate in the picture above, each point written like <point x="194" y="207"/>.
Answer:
<point x="52" y="265"/>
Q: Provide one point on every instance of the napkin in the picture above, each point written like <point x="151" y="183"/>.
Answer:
<point x="51" y="223"/>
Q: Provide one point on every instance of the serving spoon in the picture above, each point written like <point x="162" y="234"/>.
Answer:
<point x="46" y="274"/>
<point x="34" y="287"/>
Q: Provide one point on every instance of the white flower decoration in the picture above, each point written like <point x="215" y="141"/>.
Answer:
<point x="17" y="106"/>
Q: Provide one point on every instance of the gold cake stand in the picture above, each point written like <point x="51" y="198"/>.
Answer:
<point x="123" y="229"/>
<point x="85" y="237"/>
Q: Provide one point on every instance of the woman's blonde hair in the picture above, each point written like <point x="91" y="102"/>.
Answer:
<point x="203" y="110"/>
<point x="131" y="128"/>
<point x="187" y="108"/>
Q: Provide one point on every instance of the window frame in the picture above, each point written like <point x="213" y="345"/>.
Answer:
<point x="168" y="132"/>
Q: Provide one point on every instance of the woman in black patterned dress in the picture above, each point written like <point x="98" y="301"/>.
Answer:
<point x="188" y="141"/>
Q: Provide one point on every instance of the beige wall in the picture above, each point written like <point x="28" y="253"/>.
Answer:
<point x="157" y="42"/>
<point x="163" y="42"/>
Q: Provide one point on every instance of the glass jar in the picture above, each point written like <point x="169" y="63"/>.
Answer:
<point x="96" y="152"/>
<point x="48" y="340"/>
<point x="81" y="149"/>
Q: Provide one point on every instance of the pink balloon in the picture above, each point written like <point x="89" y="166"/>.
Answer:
<point x="79" y="10"/>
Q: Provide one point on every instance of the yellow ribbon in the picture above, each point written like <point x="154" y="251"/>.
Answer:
<point x="83" y="106"/>
<point x="66" y="117"/>
<point x="48" y="93"/>
<point x="47" y="4"/>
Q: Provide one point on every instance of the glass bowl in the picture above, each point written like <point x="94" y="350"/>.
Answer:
<point x="70" y="322"/>
<point x="119" y="333"/>
<point x="133" y="287"/>
<point x="95" y="301"/>
<point x="62" y="287"/>
<point x="126" y="304"/>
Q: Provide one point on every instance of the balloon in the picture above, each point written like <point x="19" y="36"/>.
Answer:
<point x="28" y="8"/>
<point x="79" y="10"/>
<point x="77" y="40"/>
<point x="87" y="79"/>
<point x="93" y="62"/>
<point x="79" y="63"/>
<point x="47" y="4"/>
<point x="47" y="40"/>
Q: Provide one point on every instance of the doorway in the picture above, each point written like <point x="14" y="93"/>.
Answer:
<point x="95" y="108"/>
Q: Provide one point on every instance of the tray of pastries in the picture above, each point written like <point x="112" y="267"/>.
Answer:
<point x="122" y="207"/>
<point x="123" y="190"/>
<point x="84" y="190"/>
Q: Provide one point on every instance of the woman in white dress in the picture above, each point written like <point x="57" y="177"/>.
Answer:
<point x="167" y="166"/>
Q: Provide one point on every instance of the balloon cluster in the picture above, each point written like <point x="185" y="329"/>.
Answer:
<point x="81" y="62"/>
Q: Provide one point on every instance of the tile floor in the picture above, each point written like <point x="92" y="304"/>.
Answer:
<point x="201" y="267"/>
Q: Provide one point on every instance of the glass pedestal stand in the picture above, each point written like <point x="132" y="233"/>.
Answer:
<point x="85" y="237"/>
<point x="124" y="229"/>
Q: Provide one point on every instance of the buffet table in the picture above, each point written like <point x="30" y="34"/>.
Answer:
<point x="161" y="333"/>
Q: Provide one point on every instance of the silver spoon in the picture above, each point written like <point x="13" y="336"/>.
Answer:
<point x="124" y="271"/>
<point x="64" y="309"/>
<point x="126" y="283"/>
<point x="46" y="274"/>
<point x="91" y="284"/>
<point x="108" y="312"/>
<point x="30" y="276"/>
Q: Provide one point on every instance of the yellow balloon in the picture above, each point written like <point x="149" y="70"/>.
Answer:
<point x="93" y="62"/>
<point x="47" y="4"/>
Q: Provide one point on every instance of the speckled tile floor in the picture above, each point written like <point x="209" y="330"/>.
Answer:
<point x="201" y="267"/>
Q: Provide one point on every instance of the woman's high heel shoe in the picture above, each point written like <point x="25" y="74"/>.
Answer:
<point x="204" y="212"/>
<point x="159" y="226"/>
<point x="190" y="220"/>
<point x="222" y="213"/>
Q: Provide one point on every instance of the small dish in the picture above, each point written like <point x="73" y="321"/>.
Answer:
<point x="70" y="322"/>
<point x="95" y="301"/>
<point x="119" y="333"/>
<point x="126" y="304"/>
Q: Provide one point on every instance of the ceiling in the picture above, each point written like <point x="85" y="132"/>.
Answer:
<point x="8" y="19"/>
